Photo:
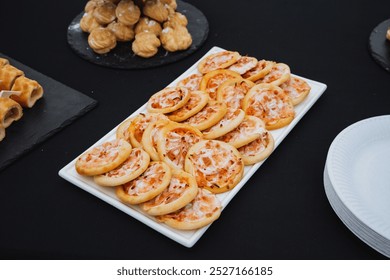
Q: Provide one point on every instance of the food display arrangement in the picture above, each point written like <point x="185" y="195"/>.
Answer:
<point x="16" y="92"/>
<point x="130" y="34"/>
<point x="149" y="25"/>
<point x="177" y="161"/>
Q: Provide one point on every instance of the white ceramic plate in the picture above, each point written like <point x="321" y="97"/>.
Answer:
<point x="357" y="180"/>
<point x="186" y="238"/>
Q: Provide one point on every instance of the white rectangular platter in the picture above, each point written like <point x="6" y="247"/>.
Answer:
<point x="186" y="238"/>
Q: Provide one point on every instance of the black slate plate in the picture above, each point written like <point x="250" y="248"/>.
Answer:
<point x="122" y="57"/>
<point x="59" y="107"/>
<point x="379" y="46"/>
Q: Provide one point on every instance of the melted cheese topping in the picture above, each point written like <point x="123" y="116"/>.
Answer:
<point x="203" y="206"/>
<point x="255" y="147"/>
<point x="215" y="165"/>
<point x="168" y="97"/>
<point x="244" y="64"/>
<point x="295" y="87"/>
<point x="261" y="65"/>
<point x="103" y="154"/>
<point x="277" y="71"/>
<point x="149" y="180"/>
<point x="269" y="105"/>
<point x="230" y="116"/>
<point x="214" y="62"/>
<point x="155" y="134"/>
<point x="177" y="142"/>
<point x="176" y="188"/>
<point x="204" y="114"/>
<point x="129" y="166"/>
<point x="190" y="105"/>
<point x="234" y="94"/>
<point x="248" y="127"/>
<point x="192" y="82"/>
<point x="214" y="83"/>
<point x="143" y="121"/>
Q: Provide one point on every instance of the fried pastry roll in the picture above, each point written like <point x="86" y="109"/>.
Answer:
<point x="8" y="75"/>
<point x="30" y="90"/>
<point x="10" y="111"/>
<point x="2" y="133"/>
<point x="3" y="62"/>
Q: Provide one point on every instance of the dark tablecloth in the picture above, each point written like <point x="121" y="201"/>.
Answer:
<point x="282" y="213"/>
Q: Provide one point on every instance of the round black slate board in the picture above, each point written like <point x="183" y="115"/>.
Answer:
<point x="379" y="46"/>
<point x="122" y="56"/>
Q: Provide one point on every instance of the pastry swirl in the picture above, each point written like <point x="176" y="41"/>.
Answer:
<point x="122" y="32"/>
<point x="175" y="39"/>
<point x="156" y="10"/>
<point x="127" y="12"/>
<point x="104" y="12"/>
<point x="102" y="40"/>
<point x="146" y="24"/>
<point x="145" y="44"/>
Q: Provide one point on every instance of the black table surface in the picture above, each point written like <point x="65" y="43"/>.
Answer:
<point x="282" y="213"/>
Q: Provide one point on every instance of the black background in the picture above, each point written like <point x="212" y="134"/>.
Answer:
<point x="281" y="213"/>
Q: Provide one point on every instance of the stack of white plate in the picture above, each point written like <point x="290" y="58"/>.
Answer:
<point x="357" y="180"/>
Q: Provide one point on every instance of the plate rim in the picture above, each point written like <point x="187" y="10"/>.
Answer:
<point x="367" y="235"/>
<point x="332" y="157"/>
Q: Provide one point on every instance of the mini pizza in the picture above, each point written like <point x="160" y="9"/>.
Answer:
<point x="212" y="80"/>
<point x="216" y="165"/>
<point x="262" y="68"/>
<point x="269" y="103"/>
<point x="297" y="88"/>
<point x="198" y="100"/>
<point x="191" y="82"/>
<point x="103" y="158"/>
<point x="139" y="124"/>
<point x="122" y="132"/>
<point x="202" y="211"/>
<point x="229" y="122"/>
<point x="168" y="100"/>
<point x="232" y="92"/>
<point x="182" y="190"/>
<point x="279" y="74"/>
<point x="217" y="61"/>
<point x="257" y="150"/>
<point x="150" y="137"/>
<point x="131" y="168"/>
<point x="244" y="64"/>
<point x="174" y="141"/>
<point x="249" y="130"/>
<point x="148" y="185"/>
<point x="211" y="114"/>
